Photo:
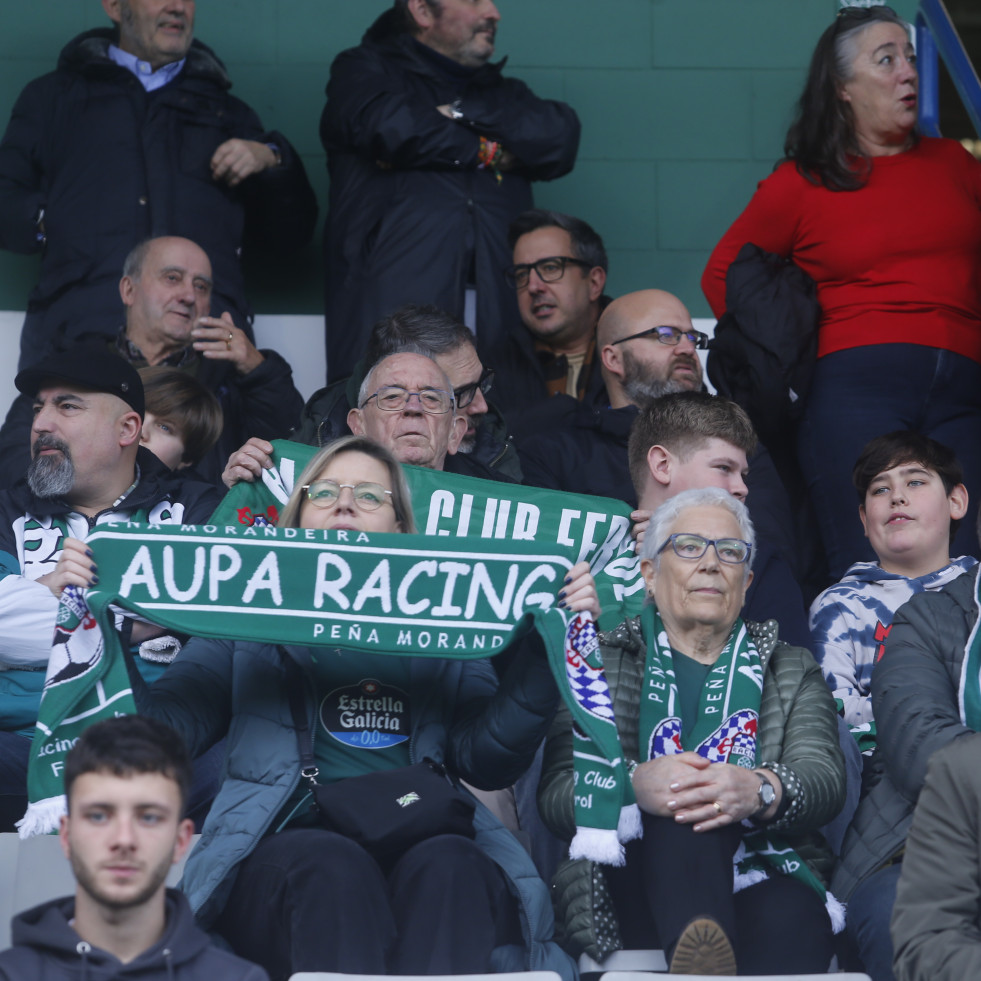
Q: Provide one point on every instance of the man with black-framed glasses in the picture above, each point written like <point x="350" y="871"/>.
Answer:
<point x="648" y="348"/>
<point x="558" y="274"/>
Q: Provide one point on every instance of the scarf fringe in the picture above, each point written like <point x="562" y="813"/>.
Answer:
<point x="836" y="912"/>
<point x="598" y="845"/>
<point x="743" y="880"/>
<point x="629" y="826"/>
<point x="42" y="817"/>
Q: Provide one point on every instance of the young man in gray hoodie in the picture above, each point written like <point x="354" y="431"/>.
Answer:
<point x="126" y="783"/>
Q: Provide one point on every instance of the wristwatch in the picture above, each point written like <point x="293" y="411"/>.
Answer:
<point x="766" y="794"/>
<point x="456" y="112"/>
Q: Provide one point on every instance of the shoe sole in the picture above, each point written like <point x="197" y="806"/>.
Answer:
<point x="703" y="948"/>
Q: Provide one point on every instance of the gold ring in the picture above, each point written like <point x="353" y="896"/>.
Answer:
<point x="228" y="343"/>
<point x="717" y="806"/>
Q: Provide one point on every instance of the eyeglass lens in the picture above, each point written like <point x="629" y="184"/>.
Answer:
<point x="467" y="393"/>
<point x="549" y="270"/>
<point x="393" y="398"/>
<point x="367" y="496"/>
<point x="731" y="550"/>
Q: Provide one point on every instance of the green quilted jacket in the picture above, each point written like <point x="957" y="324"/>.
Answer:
<point x="798" y="740"/>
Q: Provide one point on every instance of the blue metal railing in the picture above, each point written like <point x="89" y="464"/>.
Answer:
<point x="937" y="36"/>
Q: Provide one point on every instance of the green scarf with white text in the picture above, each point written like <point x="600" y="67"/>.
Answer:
<point x="448" y="505"/>
<point x="403" y="595"/>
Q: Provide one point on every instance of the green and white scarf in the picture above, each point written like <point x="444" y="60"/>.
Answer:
<point x="446" y="505"/>
<point x="969" y="688"/>
<point x="401" y="595"/>
<point x="724" y="732"/>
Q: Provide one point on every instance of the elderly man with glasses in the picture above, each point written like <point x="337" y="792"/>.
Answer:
<point x="486" y="449"/>
<point x="407" y="405"/>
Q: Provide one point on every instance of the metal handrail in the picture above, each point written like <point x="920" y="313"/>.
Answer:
<point x="937" y="36"/>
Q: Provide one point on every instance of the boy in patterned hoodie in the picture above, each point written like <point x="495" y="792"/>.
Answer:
<point x="911" y="498"/>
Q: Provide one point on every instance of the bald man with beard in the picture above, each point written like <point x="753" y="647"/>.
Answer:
<point x="647" y="347"/>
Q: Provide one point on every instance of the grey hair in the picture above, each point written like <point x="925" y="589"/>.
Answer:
<point x="133" y="263"/>
<point x="668" y="513"/>
<point x="420" y="329"/>
<point x="847" y="41"/>
<point x="365" y="390"/>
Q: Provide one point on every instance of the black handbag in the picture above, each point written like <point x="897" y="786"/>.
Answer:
<point x="389" y="811"/>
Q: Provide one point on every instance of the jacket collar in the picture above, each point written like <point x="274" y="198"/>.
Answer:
<point x="387" y="34"/>
<point x="87" y="55"/>
<point x="628" y="636"/>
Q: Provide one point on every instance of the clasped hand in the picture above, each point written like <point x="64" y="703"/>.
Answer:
<point x="688" y="788"/>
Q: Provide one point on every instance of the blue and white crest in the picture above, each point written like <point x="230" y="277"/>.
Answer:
<point x="587" y="680"/>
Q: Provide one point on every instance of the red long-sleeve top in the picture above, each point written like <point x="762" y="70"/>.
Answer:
<point x="897" y="261"/>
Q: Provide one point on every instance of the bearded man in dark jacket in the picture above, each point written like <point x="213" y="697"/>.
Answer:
<point x="431" y="153"/>
<point x="134" y="136"/>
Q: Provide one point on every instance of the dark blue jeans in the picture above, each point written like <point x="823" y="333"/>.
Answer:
<point x="866" y="392"/>
<point x="867" y="921"/>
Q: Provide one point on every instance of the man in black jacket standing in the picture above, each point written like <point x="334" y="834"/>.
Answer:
<point x="431" y="153"/>
<point x="133" y="136"/>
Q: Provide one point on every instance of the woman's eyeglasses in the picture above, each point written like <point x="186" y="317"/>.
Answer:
<point x="733" y="551"/>
<point x="326" y="494"/>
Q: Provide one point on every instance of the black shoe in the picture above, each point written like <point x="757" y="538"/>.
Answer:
<point x="703" y="948"/>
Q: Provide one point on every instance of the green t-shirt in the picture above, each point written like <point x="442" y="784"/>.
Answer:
<point x="689" y="676"/>
<point x="363" y="721"/>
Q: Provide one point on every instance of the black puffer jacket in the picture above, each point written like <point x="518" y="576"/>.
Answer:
<point x="111" y="165"/>
<point x="409" y="211"/>
<point x="46" y="947"/>
<point x="915" y="703"/>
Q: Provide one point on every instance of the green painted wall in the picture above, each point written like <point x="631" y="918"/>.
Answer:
<point x="683" y="104"/>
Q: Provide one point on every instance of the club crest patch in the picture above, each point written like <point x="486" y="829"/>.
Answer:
<point x="584" y="669"/>
<point x="77" y="647"/>
<point x="733" y="742"/>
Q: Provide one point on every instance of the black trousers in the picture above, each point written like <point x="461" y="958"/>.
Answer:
<point x="672" y="875"/>
<point x="313" y="900"/>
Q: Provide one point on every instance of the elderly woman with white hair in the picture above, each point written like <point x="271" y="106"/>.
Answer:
<point x="735" y="763"/>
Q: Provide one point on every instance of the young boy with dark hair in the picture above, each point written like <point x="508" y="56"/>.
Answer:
<point x="126" y="782"/>
<point x="911" y="498"/>
<point x="183" y="419"/>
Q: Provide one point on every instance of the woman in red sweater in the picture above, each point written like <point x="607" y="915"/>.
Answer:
<point x="888" y="224"/>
